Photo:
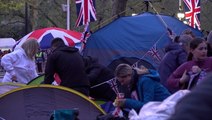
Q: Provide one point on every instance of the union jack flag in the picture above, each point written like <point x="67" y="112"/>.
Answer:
<point x="113" y="84"/>
<point x="192" y="12"/>
<point x="85" y="35"/>
<point x="154" y="53"/>
<point x="85" y="11"/>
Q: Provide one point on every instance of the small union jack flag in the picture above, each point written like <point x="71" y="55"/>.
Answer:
<point x="85" y="11"/>
<point x="192" y="12"/>
<point x="154" y="53"/>
<point x="85" y="35"/>
<point x="113" y="85"/>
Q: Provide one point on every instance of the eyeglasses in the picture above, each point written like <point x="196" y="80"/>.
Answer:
<point x="124" y="76"/>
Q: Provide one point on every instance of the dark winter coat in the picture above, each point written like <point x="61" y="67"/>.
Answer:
<point x="68" y="63"/>
<point x="174" y="57"/>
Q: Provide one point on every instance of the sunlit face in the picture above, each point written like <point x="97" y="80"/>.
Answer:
<point x="125" y="79"/>
<point x="200" y="53"/>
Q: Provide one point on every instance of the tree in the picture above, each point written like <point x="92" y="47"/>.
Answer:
<point x="119" y="7"/>
<point x="48" y="13"/>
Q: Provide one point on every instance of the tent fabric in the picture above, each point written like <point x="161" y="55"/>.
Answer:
<point x="37" y="81"/>
<point x="39" y="103"/>
<point x="6" y="87"/>
<point x="143" y="36"/>
<point x="130" y="61"/>
<point x="7" y="42"/>
<point x="46" y="35"/>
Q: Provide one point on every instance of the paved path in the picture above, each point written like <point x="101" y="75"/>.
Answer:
<point x="1" y="75"/>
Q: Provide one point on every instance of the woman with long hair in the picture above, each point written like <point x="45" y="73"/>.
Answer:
<point x="20" y="64"/>
<point x="198" y="64"/>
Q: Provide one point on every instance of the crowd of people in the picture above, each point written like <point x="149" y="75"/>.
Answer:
<point x="185" y="65"/>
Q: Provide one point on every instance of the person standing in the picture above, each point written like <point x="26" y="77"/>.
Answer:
<point x="176" y="54"/>
<point x="39" y="58"/>
<point x="20" y="64"/>
<point x="198" y="64"/>
<point x="68" y="64"/>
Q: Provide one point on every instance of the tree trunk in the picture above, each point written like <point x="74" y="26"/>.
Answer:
<point x="34" y="16"/>
<point x="119" y="7"/>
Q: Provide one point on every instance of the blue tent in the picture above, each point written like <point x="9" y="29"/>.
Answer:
<point x="143" y="37"/>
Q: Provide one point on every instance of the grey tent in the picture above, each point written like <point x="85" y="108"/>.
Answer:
<point x="5" y="87"/>
<point x="38" y="103"/>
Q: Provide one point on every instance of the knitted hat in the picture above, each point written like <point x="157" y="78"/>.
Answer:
<point x="209" y="37"/>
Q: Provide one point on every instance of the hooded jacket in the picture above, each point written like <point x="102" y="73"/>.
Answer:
<point x="68" y="63"/>
<point x="174" y="57"/>
<point x="148" y="88"/>
<point x="18" y="64"/>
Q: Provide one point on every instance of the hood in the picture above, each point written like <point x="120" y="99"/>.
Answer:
<point x="172" y="46"/>
<point x="154" y="75"/>
<point x="66" y="49"/>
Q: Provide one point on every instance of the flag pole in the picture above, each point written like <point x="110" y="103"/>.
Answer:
<point x="68" y="14"/>
<point x="180" y="5"/>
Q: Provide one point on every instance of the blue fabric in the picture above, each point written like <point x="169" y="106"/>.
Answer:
<point x="46" y="41"/>
<point x="65" y="114"/>
<point x="148" y="89"/>
<point x="108" y="107"/>
<point x="133" y="36"/>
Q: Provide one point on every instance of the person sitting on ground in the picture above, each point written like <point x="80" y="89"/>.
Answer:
<point x="68" y="64"/>
<point x="143" y="90"/>
<point x="198" y="60"/>
<point x="20" y="64"/>
<point x="176" y="54"/>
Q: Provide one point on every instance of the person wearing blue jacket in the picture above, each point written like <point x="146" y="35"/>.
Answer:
<point x="143" y="90"/>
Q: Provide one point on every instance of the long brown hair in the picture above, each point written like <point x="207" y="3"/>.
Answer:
<point x="30" y="47"/>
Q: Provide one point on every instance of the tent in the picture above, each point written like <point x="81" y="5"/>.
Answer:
<point x="36" y="81"/>
<point x="143" y="37"/>
<point x="45" y="36"/>
<point x="39" y="103"/>
<point x="7" y="43"/>
<point x="6" y="87"/>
